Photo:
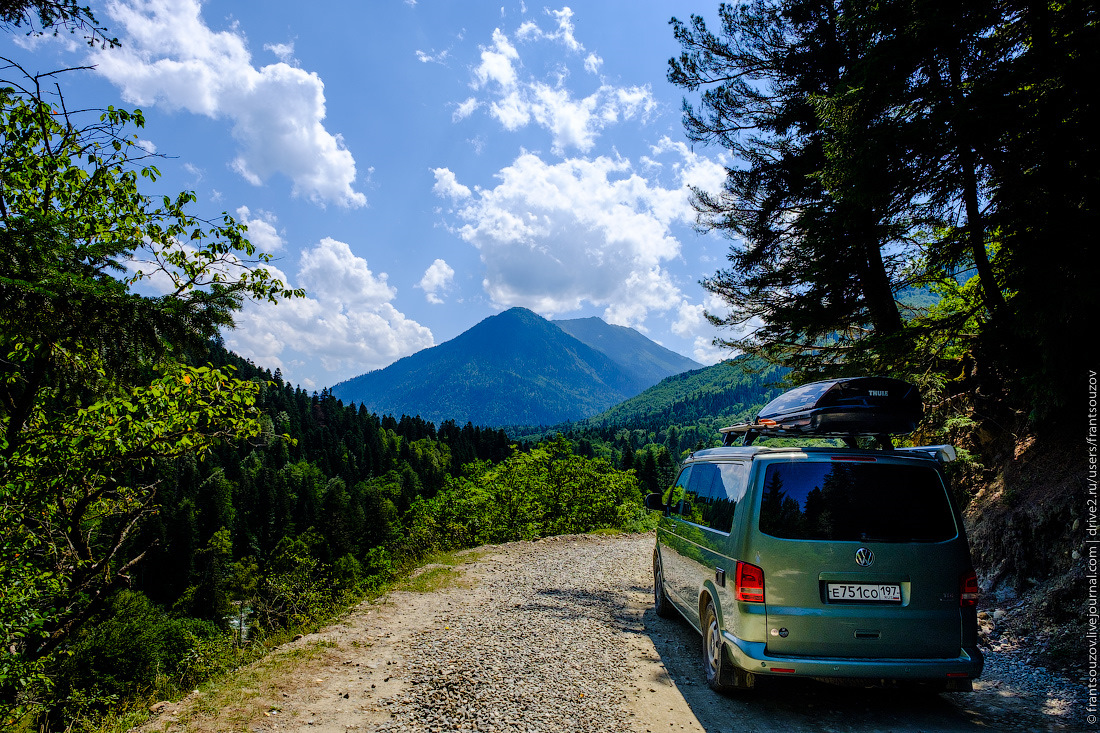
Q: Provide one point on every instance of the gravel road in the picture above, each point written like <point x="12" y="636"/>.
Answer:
<point x="558" y="635"/>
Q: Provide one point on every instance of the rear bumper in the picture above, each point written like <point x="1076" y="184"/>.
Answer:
<point x="752" y="656"/>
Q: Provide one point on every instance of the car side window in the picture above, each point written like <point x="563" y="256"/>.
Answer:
<point x="674" y="497"/>
<point x="712" y="493"/>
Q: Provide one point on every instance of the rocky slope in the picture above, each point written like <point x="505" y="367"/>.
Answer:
<point x="1027" y="520"/>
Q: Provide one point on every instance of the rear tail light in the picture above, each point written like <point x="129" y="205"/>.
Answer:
<point x="968" y="589"/>
<point x="749" y="585"/>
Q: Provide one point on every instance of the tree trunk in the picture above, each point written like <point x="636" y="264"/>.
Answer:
<point x="975" y="221"/>
<point x="875" y="285"/>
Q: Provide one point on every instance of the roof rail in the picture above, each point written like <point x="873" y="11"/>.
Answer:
<point x="749" y="432"/>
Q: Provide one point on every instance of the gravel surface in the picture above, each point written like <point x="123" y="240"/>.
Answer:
<point x="542" y="648"/>
<point x="558" y="635"/>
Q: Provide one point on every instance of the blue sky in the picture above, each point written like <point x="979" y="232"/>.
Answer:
<point x="420" y="166"/>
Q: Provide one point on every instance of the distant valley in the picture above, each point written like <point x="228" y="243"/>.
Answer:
<point x="517" y="368"/>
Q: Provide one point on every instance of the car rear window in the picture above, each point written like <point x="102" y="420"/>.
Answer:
<point x="860" y="502"/>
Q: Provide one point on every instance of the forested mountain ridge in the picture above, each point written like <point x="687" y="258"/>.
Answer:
<point x="343" y="472"/>
<point x="717" y="395"/>
<point x="651" y="432"/>
<point x="631" y="350"/>
<point x="516" y="368"/>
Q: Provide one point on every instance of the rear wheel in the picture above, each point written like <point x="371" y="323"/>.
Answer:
<point x="722" y="674"/>
<point x="661" y="605"/>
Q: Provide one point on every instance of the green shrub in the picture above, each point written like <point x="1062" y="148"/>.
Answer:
<point x="293" y="592"/>
<point x="347" y="573"/>
<point x="133" y="645"/>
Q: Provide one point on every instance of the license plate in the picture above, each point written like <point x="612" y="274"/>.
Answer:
<point x="864" y="592"/>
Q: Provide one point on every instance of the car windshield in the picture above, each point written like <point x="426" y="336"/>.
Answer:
<point x="859" y="502"/>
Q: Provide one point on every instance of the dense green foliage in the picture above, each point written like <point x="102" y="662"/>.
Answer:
<point x="886" y="145"/>
<point x="260" y="539"/>
<point x="92" y="392"/>
<point x="267" y="535"/>
<point x="546" y="490"/>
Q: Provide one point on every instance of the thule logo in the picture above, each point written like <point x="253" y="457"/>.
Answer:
<point x="878" y="393"/>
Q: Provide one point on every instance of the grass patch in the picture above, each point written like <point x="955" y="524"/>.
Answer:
<point x="438" y="572"/>
<point x="121" y="721"/>
<point x="432" y="579"/>
<point x="236" y="699"/>
<point x="458" y="557"/>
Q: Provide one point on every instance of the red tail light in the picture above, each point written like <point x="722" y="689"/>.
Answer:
<point x="749" y="585"/>
<point x="968" y="589"/>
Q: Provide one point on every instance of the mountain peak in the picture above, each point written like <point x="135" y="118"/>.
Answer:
<point x="647" y="358"/>
<point x="517" y="368"/>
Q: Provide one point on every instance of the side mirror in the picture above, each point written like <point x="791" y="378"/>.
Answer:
<point x="656" y="502"/>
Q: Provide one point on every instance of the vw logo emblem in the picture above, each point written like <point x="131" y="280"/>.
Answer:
<point x="864" y="557"/>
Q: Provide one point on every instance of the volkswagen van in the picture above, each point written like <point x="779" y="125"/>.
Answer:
<point x="846" y="564"/>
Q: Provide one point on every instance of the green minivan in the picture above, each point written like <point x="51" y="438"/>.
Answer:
<point x="844" y="564"/>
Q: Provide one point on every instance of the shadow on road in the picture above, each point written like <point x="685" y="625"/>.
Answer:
<point x="791" y="705"/>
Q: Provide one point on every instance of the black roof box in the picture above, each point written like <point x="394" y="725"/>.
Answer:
<point x="875" y="406"/>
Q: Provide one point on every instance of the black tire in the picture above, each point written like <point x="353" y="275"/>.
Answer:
<point x="661" y="605"/>
<point x="723" y="676"/>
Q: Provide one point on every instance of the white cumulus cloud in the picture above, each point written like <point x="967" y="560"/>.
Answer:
<point x="555" y="236"/>
<point x="346" y="322"/>
<point x="565" y="32"/>
<point x="437" y="279"/>
<point x="283" y="51"/>
<point x="496" y="62"/>
<point x="435" y="57"/>
<point x="261" y="230"/>
<point x="170" y="57"/>
<point x="691" y="322"/>
<point x="447" y="185"/>
<point x="517" y="100"/>
<point x="464" y="109"/>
